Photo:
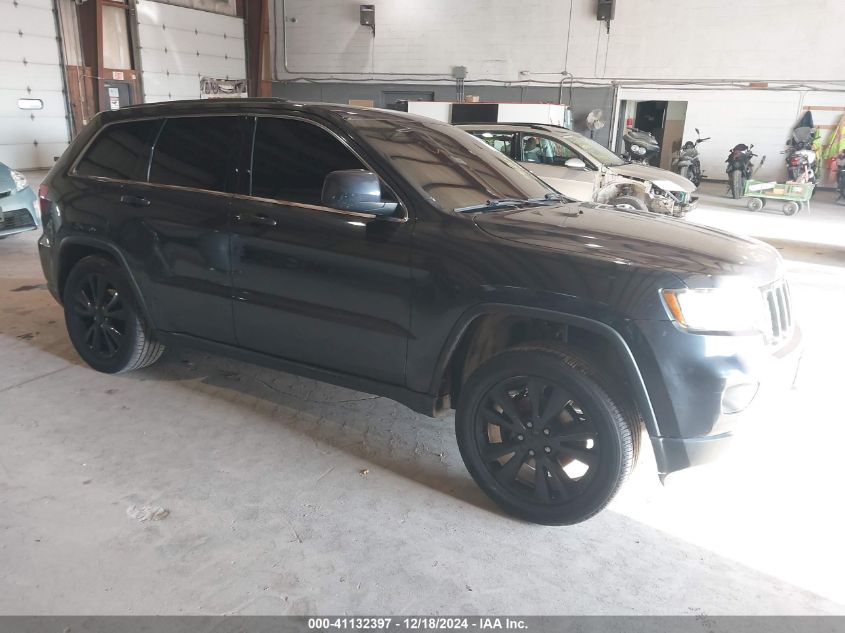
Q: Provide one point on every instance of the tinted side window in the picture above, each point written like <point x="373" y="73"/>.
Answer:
<point x="196" y="152"/>
<point x="292" y="158"/>
<point x="121" y="151"/>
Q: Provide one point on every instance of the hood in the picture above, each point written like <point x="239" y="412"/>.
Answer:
<point x="698" y="255"/>
<point x="668" y="180"/>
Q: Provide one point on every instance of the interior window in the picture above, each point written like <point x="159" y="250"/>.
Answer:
<point x="121" y="151"/>
<point x="291" y="159"/>
<point x="541" y="149"/>
<point x="500" y="141"/>
<point x="195" y="152"/>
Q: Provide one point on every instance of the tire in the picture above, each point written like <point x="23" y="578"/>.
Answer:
<point x="584" y="442"/>
<point x="695" y="177"/>
<point x="103" y="319"/>
<point x="633" y="202"/>
<point x="790" y="208"/>
<point x="737" y="184"/>
<point x="756" y="204"/>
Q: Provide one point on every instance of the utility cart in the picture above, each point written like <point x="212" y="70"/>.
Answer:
<point x="794" y="195"/>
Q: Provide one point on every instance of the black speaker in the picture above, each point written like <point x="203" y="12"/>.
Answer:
<point x="605" y="10"/>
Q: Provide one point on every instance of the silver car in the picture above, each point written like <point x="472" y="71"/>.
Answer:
<point x="18" y="212"/>
<point x="582" y="169"/>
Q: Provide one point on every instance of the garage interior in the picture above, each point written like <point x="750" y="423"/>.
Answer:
<point x="203" y="485"/>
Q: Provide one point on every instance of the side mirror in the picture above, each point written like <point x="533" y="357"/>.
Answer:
<point x="697" y="132"/>
<point x="355" y="190"/>
<point x="751" y="146"/>
<point x="575" y="163"/>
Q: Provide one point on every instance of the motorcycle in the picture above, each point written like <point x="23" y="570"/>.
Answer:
<point x="640" y="146"/>
<point x="840" y="175"/>
<point x="688" y="161"/>
<point x="739" y="168"/>
<point x="800" y="157"/>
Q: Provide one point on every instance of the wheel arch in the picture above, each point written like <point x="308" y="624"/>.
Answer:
<point x="621" y="187"/>
<point x="458" y="349"/>
<point x="74" y="248"/>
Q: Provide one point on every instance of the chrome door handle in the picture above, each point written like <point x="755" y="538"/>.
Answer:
<point x="134" y="201"/>
<point x="249" y="218"/>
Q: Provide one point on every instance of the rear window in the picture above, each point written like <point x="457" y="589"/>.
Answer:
<point x="196" y="152"/>
<point x="121" y="151"/>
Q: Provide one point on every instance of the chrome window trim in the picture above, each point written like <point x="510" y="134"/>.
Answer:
<point x="235" y="196"/>
<point x="155" y="185"/>
<point x="317" y="207"/>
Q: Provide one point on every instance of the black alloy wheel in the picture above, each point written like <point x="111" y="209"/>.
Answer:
<point x="542" y="437"/>
<point x="101" y="315"/>
<point x="103" y="319"/>
<point x="536" y="440"/>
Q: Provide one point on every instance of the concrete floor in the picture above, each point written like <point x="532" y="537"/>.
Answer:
<point x="288" y="496"/>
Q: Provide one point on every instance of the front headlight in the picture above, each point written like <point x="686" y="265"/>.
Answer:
<point x="717" y="310"/>
<point x="19" y="178"/>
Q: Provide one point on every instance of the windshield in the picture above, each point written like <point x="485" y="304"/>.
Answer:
<point x="595" y="151"/>
<point x="448" y="166"/>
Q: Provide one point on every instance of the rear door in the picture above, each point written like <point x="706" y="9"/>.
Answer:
<point x="313" y="284"/>
<point x="117" y="158"/>
<point x="178" y="224"/>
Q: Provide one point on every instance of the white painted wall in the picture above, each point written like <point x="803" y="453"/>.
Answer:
<point x="30" y="68"/>
<point x="762" y="117"/>
<point x="497" y="39"/>
<point x="181" y="45"/>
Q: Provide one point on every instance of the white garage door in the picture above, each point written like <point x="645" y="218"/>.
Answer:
<point x="30" y="68"/>
<point x="180" y="45"/>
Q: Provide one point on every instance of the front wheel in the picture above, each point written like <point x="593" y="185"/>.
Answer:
<point x="631" y="203"/>
<point x="737" y="184"/>
<point x="103" y="318"/>
<point x="541" y="436"/>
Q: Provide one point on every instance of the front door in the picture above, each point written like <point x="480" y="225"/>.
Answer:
<point x="545" y="158"/>
<point x="313" y="284"/>
<point x="182" y="225"/>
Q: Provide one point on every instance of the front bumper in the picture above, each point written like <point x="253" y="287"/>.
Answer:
<point x="712" y="383"/>
<point x="18" y="212"/>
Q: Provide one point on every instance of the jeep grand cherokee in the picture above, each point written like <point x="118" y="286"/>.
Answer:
<point x="403" y="257"/>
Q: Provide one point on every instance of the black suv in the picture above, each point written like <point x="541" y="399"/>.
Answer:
<point x="401" y="256"/>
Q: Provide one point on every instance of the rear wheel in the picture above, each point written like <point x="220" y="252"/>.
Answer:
<point x="103" y="319"/>
<point x="791" y="208"/>
<point x="737" y="184"/>
<point x="542" y="437"/>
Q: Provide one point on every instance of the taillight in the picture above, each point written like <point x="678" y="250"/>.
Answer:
<point x="44" y="203"/>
